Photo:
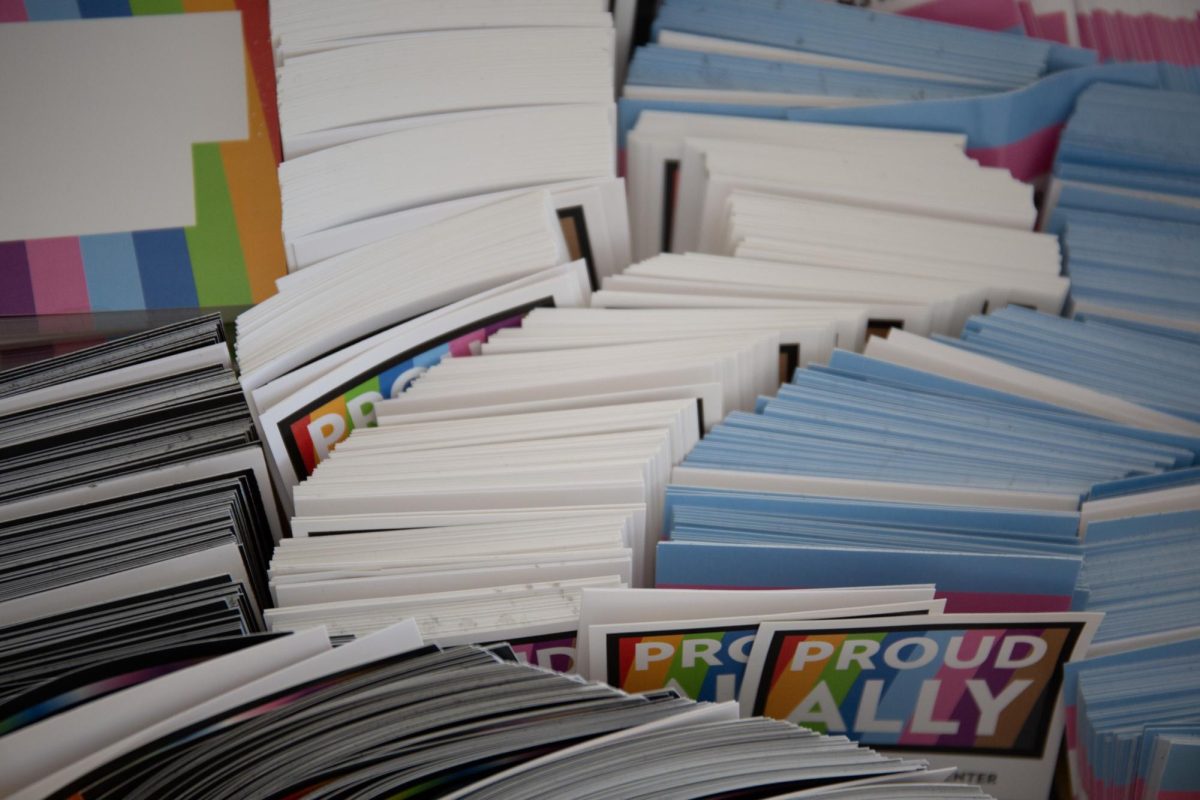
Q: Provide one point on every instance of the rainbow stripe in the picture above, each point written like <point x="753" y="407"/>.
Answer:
<point x="690" y="670"/>
<point x="322" y="421"/>
<point x="230" y="257"/>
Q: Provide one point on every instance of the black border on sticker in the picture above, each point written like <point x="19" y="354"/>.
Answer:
<point x="791" y="356"/>
<point x="284" y="426"/>
<point x="1038" y="750"/>
<point x="670" y="174"/>
<point x="576" y="215"/>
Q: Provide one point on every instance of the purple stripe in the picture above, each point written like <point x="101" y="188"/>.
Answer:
<point x="16" y="288"/>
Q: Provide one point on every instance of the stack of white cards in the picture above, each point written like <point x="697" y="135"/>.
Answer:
<point x="901" y="222"/>
<point x="424" y="212"/>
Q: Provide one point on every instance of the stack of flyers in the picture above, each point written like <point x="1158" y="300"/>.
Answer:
<point x="305" y="26"/>
<point x="1154" y="365"/>
<point x="980" y="692"/>
<point x="1120" y="30"/>
<point x="688" y="165"/>
<point x="809" y="30"/>
<point x="1133" y="719"/>
<point x="981" y="559"/>
<point x="385" y="715"/>
<point x="1126" y="200"/>
<point x="136" y="453"/>
<point x="1017" y="130"/>
<point x="54" y="663"/>
<point x="882" y="665"/>
<point x="538" y="614"/>
<point x="1119" y="554"/>
<point x="497" y="97"/>
<point x="671" y="155"/>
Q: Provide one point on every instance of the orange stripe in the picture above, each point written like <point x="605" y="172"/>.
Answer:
<point x="191" y="6"/>
<point x="254" y="191"/>
<point x="793" y="686"/>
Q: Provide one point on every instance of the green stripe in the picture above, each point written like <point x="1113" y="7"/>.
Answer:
<point x="139" y="7"/>
<point x="841" y="680"/>
<point x="371" y="385"/>
<point x="213" y="243"/>
<point x="691" y="679"/>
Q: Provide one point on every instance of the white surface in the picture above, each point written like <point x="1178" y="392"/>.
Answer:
<point x="87" y="146"/>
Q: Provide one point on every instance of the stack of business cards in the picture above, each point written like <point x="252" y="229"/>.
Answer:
<point x="683" y="67"/>
<point x="812" y="32"/>
<point x="469" y="69"/>
<point x="521" y="614"/>
<point x="1132" y="722"/>
<point x="54" y="663"/>
<point x="1155" y="362"/>
<point x="616" y="458"/>
<point x="1119" y="553"/>
<point x="384" y="715"/>
<point x="496" y="97"/>
<point x="980" y="558"/>
<point x="1126" y="200"/>
<point x="135" y="455"/>
<point x="764" y="189"/>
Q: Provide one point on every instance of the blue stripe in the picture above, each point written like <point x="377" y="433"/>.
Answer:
<point x="41" y="10"/>
<point x="92" y="9"/>
<point x="165" y="268"/>
<point x="110" y="264"/>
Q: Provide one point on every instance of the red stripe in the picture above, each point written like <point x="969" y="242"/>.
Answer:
<point x="56" y="272"/>
<point x="13" y="11"/>
<point x="1026" y="159"/>
<point x="304" y="442"/>
<point x="256" y="24"/>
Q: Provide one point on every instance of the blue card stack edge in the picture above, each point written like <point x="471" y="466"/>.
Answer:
<point x="827" y="29"/>
<point x="1128" y="713"/>
<point x="1126" y="202"/>
<point x="1140" y="366"/>
<point x="1143" y="572"/>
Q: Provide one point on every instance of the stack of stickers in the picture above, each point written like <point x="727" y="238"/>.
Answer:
<point x="1126" y="200"/>
<point x="385" y="715"/>
<point x="137" y="518"/>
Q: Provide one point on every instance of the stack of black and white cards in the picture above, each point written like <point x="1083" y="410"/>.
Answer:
<point x="136" y="517"/>
<point x="385" y="716"/>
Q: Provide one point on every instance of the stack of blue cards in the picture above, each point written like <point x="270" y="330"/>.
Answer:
<point x="1133" y="722"/>
<point x="1144" y="573"/>
<point x="815" y="28"/>
<point x="1154" y="367"/>
<point x="1126" y="201"/>
<point x="981" y="559"/>
<point x="805" y="84"/>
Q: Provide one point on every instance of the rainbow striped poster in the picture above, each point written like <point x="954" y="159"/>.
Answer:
<point x="230" y="257"/>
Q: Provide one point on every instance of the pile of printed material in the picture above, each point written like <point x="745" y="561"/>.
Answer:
<point x="385" y="715"/>
<point x="136" y="518"/>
